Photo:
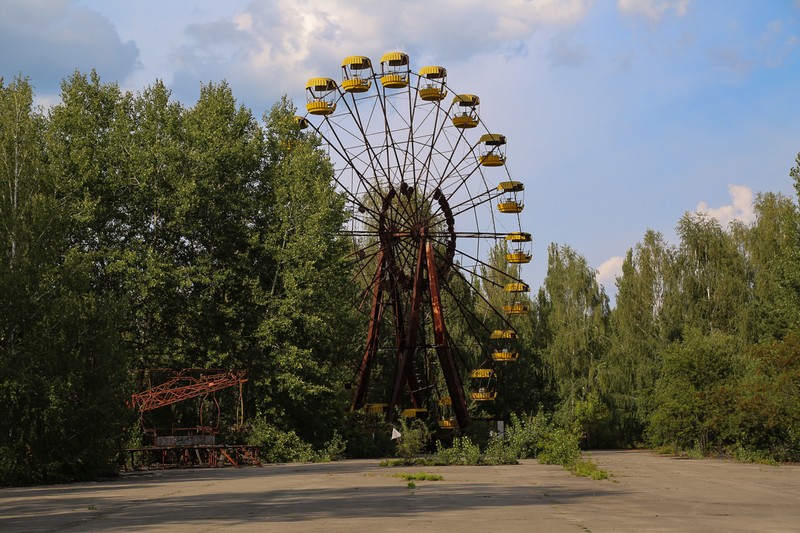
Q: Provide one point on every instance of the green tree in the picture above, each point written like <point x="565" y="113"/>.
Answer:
<point x="695" y="392"/>
<point x="307" y="328"/>
<point x="638" y="330"/>
<point x="772" y="248"/>
<point x="577" y="319"/>
<point x="62" y="369"/>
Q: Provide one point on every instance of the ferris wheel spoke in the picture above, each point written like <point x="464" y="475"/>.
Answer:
<point x="485" y="300"/>
<point x="345" y="155"/>
<point x="373" y="156"/>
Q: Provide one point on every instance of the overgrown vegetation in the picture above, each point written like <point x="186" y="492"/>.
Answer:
<point x="138" y="232"/>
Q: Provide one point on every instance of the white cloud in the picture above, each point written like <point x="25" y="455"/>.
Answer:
<point x="292" y="40"/>
<point x="609" y="271"/>
<point x="740" y="208"/>
<point x="49" y="40"/>
<point x="653" y="10"/>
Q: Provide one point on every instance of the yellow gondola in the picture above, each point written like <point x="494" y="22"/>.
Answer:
<point x="519" y="236"/>
<point x="394" y="70"/>
<point x="517" y="287"/>
<point x="321" y="94"/>
<point x="375" y="408"/>
<point x="435" y="77"/>
<point x="414" y="412"/>
<point x="302" y="122"/>
<point x="505" y="356"/>
<point x="509" y="205"/>
<point x="466" y="113"/>
<point x="503" y="334"/>
<point x="354" y="77"/>
<point x="511" y="186"/>
<point x="518" y="257"/>
<point x="516" y="309"/>
<point x="494" y="155"/>
<point x="447" y="424"/>
<point x="481" y="373"/>
<point x="484" y="396"/>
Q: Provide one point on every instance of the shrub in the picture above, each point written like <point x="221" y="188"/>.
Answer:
<point x="462" y="452"/>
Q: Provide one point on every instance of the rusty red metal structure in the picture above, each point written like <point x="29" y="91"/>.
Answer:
<point x="184" y="385"/>
<point x="189" y="445"/>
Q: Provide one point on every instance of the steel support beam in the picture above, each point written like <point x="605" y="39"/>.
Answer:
<point x="376" y="314"/>
<point x="449" y="369"/>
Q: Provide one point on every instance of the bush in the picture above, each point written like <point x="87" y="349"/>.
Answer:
<point x="462" y="452"/>
<point x="279" y="446"/>
<point x="560" y="447"/>
<point x="414" y="438"/>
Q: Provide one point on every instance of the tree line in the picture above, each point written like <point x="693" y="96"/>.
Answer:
<point x="141" y="233"/>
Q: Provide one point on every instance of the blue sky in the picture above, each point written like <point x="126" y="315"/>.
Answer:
<point x="620" y="115"/>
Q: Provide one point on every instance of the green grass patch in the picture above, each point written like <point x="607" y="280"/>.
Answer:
<point x="584" y="468"/>
<point x="419" y="476"/>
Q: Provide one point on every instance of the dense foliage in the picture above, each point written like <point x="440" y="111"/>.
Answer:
<point x="138" y="233"/>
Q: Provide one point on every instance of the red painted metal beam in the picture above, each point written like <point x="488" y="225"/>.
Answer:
<point x="412" y="333"/>
<point x="446" y="360"/>
<point x="376" y="314"/>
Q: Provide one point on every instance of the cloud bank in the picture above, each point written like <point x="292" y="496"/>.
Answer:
<point x="740" y="208"/>
<point x="653" y="10"/>
<point x="609" y="271"/>
<point x="47" y="40"/>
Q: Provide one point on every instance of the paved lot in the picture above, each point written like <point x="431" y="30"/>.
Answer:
<point x="646" y="493"/>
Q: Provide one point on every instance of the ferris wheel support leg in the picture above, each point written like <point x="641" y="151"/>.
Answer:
<point x="362" y="382"/>
<point x="412" y="333"/>
<point x="400" y="336"/>
<point x="449" y="369"/>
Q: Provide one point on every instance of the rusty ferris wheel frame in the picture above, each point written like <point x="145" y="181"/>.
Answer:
<point x="413" y="160"/>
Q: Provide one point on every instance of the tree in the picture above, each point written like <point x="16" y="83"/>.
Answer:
<point x="307" y="328"/>
<point x="772" y="248"/>
<point x="638" y="329"/>
<point x="577" y="318"/>
<point x="62" y="369"/>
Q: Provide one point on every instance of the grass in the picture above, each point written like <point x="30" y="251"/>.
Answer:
<point x="584" y="468"/>
<point x="419" y="476"/>
<point x="416" y="461"/>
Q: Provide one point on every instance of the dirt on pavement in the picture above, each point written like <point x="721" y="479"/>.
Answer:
<point x="646" y="492"/>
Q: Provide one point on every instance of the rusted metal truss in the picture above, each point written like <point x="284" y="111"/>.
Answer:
<point x="184" y="385"/>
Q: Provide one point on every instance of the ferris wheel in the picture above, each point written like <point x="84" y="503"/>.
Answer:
<point x="429" y="197"/>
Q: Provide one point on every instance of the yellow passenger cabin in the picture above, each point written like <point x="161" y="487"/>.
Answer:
<point x="356" y="74"/>
<point x="518" y="256"/>
<point x="302" y="122"/>
<point x="394" y="70"/>
<point x="465" y="114"/>
<point x="493" y="154"/>
<point x="504" y="334"/>
<point x="414" y="412"/>
<point x="519" y="236"/>
<point x="516" y="309"/>
<point x="321" y="96"/>
<point x="484" y="396"/>
<point x="511" y="186"/>
<point x="481" y="373"/>
<point x="517" y="287"/>
<point x="510" y="205"/>
<point x="447" y="423"/>
<point x="432" y="83"/>
<point x="375" y="408"/>
<point x="505" y="356"/>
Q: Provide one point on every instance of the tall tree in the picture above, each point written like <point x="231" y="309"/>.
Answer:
<point x="638" y="330"/>
<point x="577" y="317"/>
<point x="62" y="369"/>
